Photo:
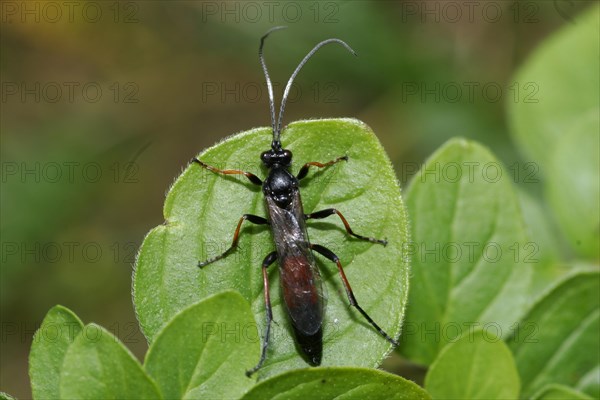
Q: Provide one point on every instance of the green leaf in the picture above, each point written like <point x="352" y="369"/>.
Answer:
<point x="98" y="366"/>
<point x="472" y="260"/>
<point x="204" y="346"/>
<point x="573" y="189"/>
<point x="336" y="383"/>
<point x="539" y="226"/>
<point x="549" y="268"/>
<point x="560" y="130"/>
<point x="590" y="383"/>
<point x="6" y="396"/>
<point x="562" y="346"/>
<point x="559" y="392"/>
<point x="564" y="74"/>
<point x="48" y="350"/>
<point x="201" y="213"/>
<point x="477" y="366"/>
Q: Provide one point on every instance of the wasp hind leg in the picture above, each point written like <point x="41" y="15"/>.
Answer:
<point x="331" y="256"/>
<point x="269" y="259"/>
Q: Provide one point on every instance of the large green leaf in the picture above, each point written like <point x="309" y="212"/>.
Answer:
<point x="48" y="350"/>
<point x="477" y="366"/>
<point x="564" y="74"/>
<point x="202" y="210"/>
<point x="563" y="348"/>
<point x="204" y="346"/>
<point x="98" y="366"/>
<point x="472" y="260"/>
<point x="337" y="383"/>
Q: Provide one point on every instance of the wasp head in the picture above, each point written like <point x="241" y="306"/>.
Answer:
<point x="276" y="156"/>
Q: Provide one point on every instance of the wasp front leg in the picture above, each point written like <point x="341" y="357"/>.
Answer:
<point x="255" y="219"/>
<point x="330" y="211"/>
<point x="251" y="177"/>
<point x="304" y="170"/>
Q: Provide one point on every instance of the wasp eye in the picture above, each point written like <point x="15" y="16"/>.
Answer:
<point x="266" y="157"/>
<point x="287" y="157"/>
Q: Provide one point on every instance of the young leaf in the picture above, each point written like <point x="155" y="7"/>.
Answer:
<point x="558" y="127"/>
<point x="203" y="208"/>
<point x="48" y="350"/>
<point x="337" y="383"/>
<point x="204" y="346"/>
<point x="6" y="396"/>
<point x="563" y="346"/>
<point x="98" y="366"/>
<point x="472" y="261"/>
<point x="477" y="366"/>
<point x="561" y="86"/>
<point x="573" y="189"/>
<point x="560" y="392"/>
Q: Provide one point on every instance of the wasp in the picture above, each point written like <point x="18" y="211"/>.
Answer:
<point x="299" y="276"/>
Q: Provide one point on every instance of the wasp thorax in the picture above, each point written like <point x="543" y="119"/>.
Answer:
<point x="280" y="186"/>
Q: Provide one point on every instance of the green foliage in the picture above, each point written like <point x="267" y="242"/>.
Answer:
<point x="560" y="392"/>
<point x="98" y="366"/>
<point x="477" y="263"/>
<point x="564" y="69"/>
<point x="335" y="383"/>
<point x="48" y="350"/>
<point x="205" y="350"/>
<point x="69" y="360"/>
<point x="472" y="260"/>
<point x="201" y="212"/>
<point x="575" y="197"/>
<point x="477" y="366"/>
<point x="560" y="344"/>
<point x="560" y="131"/>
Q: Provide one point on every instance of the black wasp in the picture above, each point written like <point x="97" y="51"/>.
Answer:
<point x="299" y="275"/>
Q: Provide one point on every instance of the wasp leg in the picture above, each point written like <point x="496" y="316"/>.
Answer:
<point x="330" y="211"/>
<point x="251" y="177"/>
<point x="331" y="256"/>
<point x="269" y="259"/>
<point x="255" y="219"/>
<point x="304" y="170"/>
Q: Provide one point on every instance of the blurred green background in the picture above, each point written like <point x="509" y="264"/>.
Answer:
<point x="104" y="102"/>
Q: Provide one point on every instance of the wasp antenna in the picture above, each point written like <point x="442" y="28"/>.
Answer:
<point x="277" y="132"/>
<point x="268" y="79"/>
